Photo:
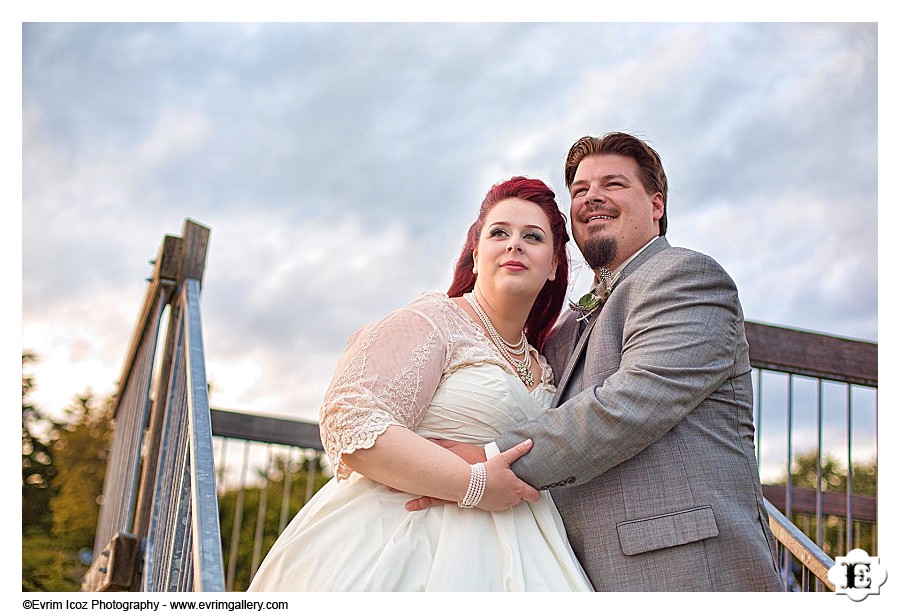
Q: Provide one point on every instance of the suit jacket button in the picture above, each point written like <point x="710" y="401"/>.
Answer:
<point x="571" y="480"/>
<point x="545" y="487"/>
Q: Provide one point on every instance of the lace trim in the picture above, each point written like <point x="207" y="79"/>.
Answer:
<point x="353" y="415"/>
<point x="356" y="427"/>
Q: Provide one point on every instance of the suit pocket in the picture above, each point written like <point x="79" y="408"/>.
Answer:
<point x="667" y="530"/>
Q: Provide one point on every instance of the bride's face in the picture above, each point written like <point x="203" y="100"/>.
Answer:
<point x="515" y="250"/>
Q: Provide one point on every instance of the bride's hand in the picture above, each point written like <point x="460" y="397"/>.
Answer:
<point x="503" y="489"/>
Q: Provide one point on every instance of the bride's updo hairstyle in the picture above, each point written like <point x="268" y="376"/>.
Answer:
<point x="549" y="301"/>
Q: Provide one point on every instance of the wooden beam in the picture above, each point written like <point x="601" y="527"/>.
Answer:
<point x="803" y="500"/>
<point x="195" y="238"/>
<point x="265" y="429"/>
<point x="114" y="569"/>
<point x="812" y="354"/>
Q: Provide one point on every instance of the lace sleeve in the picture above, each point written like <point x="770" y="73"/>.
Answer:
<point x="387" y="376"/>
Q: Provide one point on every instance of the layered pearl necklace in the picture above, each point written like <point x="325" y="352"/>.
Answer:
<point x="523" y="366"/>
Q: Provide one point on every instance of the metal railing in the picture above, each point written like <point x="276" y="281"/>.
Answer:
<point x="158" y="528"/>
<point x="795" y="372"/>
<point x="130" y="412"/>
<point x="183" y="549"/>
<point x="793" y="544"/>
<point x="281" y="466"/>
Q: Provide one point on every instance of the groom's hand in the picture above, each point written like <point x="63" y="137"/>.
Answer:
<point x="504" y="489"/>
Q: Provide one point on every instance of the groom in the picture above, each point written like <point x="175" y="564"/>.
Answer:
<point x="649" y="451"/>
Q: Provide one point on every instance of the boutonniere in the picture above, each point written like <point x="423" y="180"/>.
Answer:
<point x="595" y="299"/>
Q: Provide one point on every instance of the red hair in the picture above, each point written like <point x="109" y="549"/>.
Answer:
<point x="550" y="300"/>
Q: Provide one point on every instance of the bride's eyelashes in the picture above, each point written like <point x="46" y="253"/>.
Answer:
<point x="529" y="235"/>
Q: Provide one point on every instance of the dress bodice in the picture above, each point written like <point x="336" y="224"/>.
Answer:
<point x="476" y="403"/>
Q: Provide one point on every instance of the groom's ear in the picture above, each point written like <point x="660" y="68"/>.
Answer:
<point x="659" y="206"/>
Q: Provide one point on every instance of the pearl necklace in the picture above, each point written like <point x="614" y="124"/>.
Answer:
<point x="523" y="366"/>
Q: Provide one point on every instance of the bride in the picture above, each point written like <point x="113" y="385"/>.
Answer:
<point x="461" y="366"/>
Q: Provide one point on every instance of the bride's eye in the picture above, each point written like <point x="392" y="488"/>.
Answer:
<point x="498" y="231"/>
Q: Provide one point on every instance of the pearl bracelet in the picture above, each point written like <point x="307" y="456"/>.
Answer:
<point x="477" y="481"/>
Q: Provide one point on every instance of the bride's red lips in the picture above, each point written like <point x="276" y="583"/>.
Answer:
<point x="514" y="264"/>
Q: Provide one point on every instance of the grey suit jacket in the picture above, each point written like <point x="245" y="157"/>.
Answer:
<point x="650" y="453"/>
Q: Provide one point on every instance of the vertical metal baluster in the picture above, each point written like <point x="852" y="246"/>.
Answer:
<point x="286" y="491"/>
<point x="311" y="465"/>
<point x="787" y="493"/>
<point x="849" y="520"/>
<point x="758" y="401"/>
<point x="221" y="463"/>
<point x="263" y="502"/>
<point x="820" y="528"/>
<point x="238" y="522"/>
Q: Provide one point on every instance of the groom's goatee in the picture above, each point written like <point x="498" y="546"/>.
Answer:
<point x="599" y="251"/>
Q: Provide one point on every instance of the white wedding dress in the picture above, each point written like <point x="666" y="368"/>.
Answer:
<point x="430" y="368"/>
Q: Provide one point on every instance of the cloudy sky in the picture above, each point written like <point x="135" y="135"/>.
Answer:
<point x="338" y="166"/>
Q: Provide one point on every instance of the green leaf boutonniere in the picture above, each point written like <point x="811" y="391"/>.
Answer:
<point x="593" y="300"/>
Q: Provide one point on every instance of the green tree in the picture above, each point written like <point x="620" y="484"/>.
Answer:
<point x="38" y="468"/>
<point x="804" y="474"/>
<point x="63" y="464"/>
<point x="81" y="450"/>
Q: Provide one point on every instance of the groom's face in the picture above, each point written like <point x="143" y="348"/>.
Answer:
<point x="612" y="214"/>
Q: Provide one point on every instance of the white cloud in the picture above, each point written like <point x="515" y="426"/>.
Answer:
<point x="176" y="133"/>
<point x="796" y="261"/>
<point x="281" y="296"/>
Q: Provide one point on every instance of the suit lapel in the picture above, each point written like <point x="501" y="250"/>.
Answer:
<point x="573" y="360"/>
<point x="651" y="250"/>
<point x="568" y="337"/>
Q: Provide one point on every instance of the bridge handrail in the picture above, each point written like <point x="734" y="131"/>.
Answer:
<point x="810" y="556"/>
<point x="163" y="533"/>
<point x="183" y="547"/>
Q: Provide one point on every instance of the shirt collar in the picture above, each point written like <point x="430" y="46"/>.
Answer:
<point x="622" y="266"/>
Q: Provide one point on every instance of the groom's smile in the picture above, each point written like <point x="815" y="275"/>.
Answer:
<point x="611" y="204"/>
